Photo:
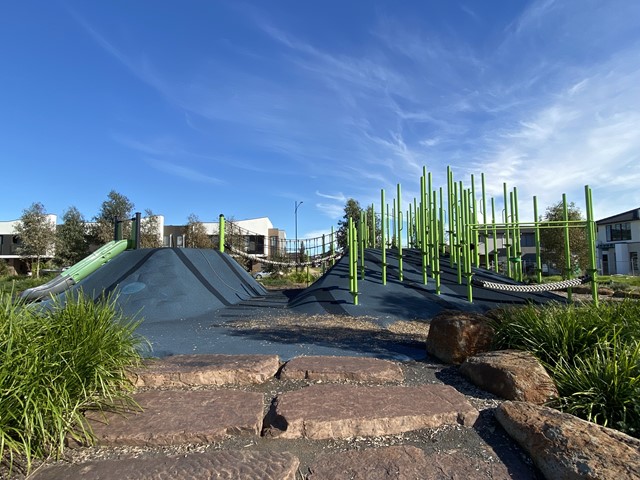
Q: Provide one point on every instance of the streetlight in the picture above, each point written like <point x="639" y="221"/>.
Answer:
<point x="296" y="216"/>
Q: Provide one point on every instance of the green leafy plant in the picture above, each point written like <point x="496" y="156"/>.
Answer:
<point x="57" y="363"/>
<point x="592" y="353"/>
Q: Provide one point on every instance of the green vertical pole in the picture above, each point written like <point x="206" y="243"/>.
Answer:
<point x="324" y="254"/>
<point x="374" y="236"/>
<point x="441" y="213"/>
<point x="496" y="258"/>
<point x="383" y="239"/>
<point x="516" y="235"/>
<point x="429" y="212"/>
<point x="435" y="238"/>
<point x="474" y="221"/>
<point x="399" y="234"/>
<point x="484" y="221"/>
<point x="591" y="238"/>
<point x="507" y="231"/>
<point x="567" y="245"/>
<point x="221" y="228"/>
<point x="458" y="226"/>
<point x="450" y="207"/>
<point x="361" y="241"/>
<point x="537" y="240"/>
<point x="332" y="248"/>
<point x="467" y="255"/>
<point x="353" y="261"/>
<point x="423" y="226"/>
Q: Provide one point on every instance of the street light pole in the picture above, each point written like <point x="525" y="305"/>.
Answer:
<point x="296" y="217"/>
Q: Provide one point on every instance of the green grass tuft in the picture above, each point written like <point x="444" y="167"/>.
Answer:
<point x="592" y="353"/>
<point x="54" y="365"/>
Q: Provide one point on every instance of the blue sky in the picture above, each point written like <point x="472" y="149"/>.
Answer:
<point x="246" y="107"/>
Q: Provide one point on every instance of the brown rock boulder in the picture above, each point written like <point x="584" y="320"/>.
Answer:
<point x="454" y="336"/>
<point x="511" y="374"/>
<point x="565" y="447"/>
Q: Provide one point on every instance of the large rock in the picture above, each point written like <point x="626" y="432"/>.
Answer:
<point x="511" y="374"/>
<point x="174" y="417"/>
<point x="221" y="465"/>
<point x="565" y="447"/>
<point x="454" y="336"/>
<point x="211" y="369"/>
<point x="337" y="369"/>
<point x="345" y="411"/>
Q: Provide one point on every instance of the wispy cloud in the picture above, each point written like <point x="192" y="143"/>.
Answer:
<point x="338" y="196"/>
<point x="182" y="172"/>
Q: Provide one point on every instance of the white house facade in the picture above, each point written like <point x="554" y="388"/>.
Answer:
<point x="618" y="243"/>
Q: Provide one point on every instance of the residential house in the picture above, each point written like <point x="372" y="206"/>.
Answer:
<point x="618" y="243"/>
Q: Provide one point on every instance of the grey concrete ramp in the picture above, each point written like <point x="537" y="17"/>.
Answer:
<point x="171" y="417"/>
<point x="222" y="465"/>
<point x="345" y="411"/>
<point x="167" y="284"/>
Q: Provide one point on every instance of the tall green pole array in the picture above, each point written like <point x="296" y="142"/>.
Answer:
<point x="458" y="223"/>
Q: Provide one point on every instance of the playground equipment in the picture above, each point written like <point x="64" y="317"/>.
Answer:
<point x="72" y="275"/>
<point x="453" y="228"/>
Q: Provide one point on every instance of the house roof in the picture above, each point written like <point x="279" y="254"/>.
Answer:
<point x="628" y="216"/>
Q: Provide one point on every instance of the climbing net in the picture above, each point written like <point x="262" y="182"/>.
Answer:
<point x="544" y="287"/>
<point x="261" y="259"/>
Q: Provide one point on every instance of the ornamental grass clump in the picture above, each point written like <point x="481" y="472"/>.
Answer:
<point x="592" y="353"/>
<point x="54" y="365"/>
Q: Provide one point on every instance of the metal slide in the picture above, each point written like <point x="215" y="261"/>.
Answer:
<point x="77" y="272"/>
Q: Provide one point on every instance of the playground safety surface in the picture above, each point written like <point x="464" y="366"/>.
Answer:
<point x="202" y="301"/>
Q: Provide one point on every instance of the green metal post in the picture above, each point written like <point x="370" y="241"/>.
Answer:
<point x="496" y="258"/>
<point x="484" y="221"/>
<point x="474" y="220"/>
<point x="383" y="240"/>
<point x="567" y="245"/>
<point x="221" y="227"/>
<point x="423" y="226"/>
<point x="353" y="262"/>
<point x="537" y="241"/>
<point x="591" y="238"/>
<point x="507" y="232"/>
<point x="435" y="231"/>
<point x="399" y="234"/>
<point x="441" y="213"/>
<point x="361" y="236"/>
<point x="450" y="209"/>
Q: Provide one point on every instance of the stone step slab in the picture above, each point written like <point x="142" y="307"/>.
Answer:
<point x="175" y="417"/>
<point x="206" y="369"/>
<point x="339" y="369"/>
<point x="346" y="411"/>
<point x="222" y="465"/>
<point x="409" y="463"/>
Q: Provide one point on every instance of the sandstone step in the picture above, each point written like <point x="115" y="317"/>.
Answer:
<point x="173" y="417"/>
<point x="210" y="369"/>
<point x="344" y="411"/>
<point x="229" y="465"/>
<point x="336" y="369"/>
<point x="408" y="463"/>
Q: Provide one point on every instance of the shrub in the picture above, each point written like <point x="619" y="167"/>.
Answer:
<point x="593" y="354"/>
<point x="54" y="365"/>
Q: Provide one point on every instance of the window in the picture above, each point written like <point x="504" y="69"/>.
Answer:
<point x="528" y="240"/>
<point x="618" y="232"/>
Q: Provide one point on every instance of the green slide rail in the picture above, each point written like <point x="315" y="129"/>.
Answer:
<point x="77" y="272"/>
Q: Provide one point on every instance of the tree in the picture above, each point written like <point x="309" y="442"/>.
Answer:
<point x="552" y="239"/>
<point x="71" y="238"/>
<point x="116" y="207"/>
<point x="37" y="235"/>
<point x="150" y="234"/>
<point x="374" y="219"/>
<point x="352" y="209"/>
<point x="196" y="234"/>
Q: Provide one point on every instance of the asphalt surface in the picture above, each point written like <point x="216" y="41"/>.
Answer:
<point x="191" y="300"/>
